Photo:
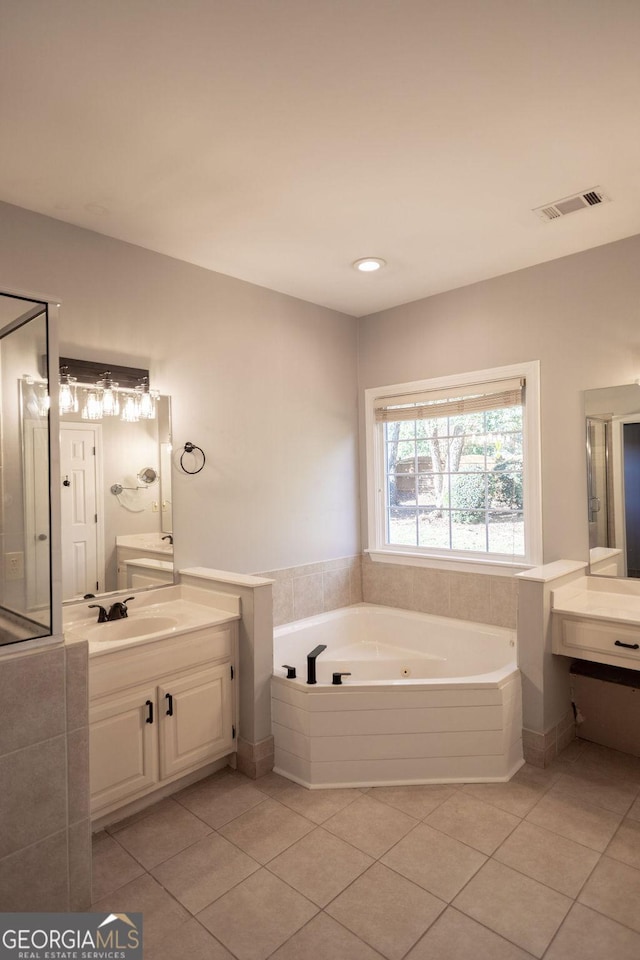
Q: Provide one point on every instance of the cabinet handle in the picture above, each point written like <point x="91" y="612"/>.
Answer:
<point x="149" y="704"/>
<point x="629" y="646"/>
<point x="169" y="700"/>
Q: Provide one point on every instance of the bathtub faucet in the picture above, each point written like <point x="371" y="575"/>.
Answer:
<point x="311" y="662"/>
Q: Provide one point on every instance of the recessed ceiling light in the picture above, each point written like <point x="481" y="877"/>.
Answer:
<point x="369" y="264"/>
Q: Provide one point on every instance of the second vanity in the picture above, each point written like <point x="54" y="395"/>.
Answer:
<point x="598" y="619"/>
<point x="162" y="690"/>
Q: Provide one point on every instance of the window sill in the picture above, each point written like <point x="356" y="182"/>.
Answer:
<point x="494" y="568"/>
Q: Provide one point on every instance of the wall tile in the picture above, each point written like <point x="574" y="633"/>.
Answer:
<point x="387" y="583"/>
<point x="77" y="684"/>
<point x="282" y="593"/>
<point x="341" y="563"/>
<point x="36" y="804"/>
<point x="80" y="866"/>
<point x="307" y="596"/>
<point x="504" y="601"/>
<point x="470" y="596"/>
<point x="356" y="581"/>
<point x="431" y="591"/>
<point x="36" y="878"/>
<point x="336" y="585"/>
<point x="78" y="774"/>
<point x="32" y="694"/>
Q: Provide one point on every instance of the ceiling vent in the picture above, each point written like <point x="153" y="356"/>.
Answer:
<point x="560" y="208"/>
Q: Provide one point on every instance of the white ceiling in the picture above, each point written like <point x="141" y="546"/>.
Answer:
<point x="280" y="140"/>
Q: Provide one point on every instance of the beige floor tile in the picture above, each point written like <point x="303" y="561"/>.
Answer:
<point x="556" y="861"/>
<point x="316" y="805"/>
<point x="257" y="916"/>
<point x="586" y="935"/>
<point x="162" y="834"/>
<point x="520" y="794"/>
<point x="612" y="794"/>
<point x="608" y="763"/>
<point x="204" y="871"/>
<point x="625" y="845"/>
<point x="167" y="804"/>
<point x="434" y="861"/>
<point x="634" y="810"/>
<point x="614" y="889"/>
<point x="370" y="825"/>
<point x="416" y="801"/>
<point x="217" y="800"/>
<point x="514" y="906"/>
<point x="266" y="830"/>
<point x="320" y="865"/>
<point x="324" y="939"/>
<point x="162" y="914"/>
<point x="190" y="941"/>
<point x="454" y="936"/>
<point x="473" y="821"/>
<point x="386" y="911"/>
<point x="112" y="867"/>
<point x="575" y="819"/>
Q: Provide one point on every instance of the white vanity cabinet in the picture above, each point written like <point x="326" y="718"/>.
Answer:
<point x="158" y="711"/>
<point x="598" y="619"/>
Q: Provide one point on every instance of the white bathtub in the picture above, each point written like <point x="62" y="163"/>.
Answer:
<point x="429" y="700"/>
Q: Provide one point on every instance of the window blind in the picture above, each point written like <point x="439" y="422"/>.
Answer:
<point x="471" y="398"/>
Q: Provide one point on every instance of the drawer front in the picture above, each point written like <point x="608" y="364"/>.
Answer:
<point x="122" y="669"/>
<point x="612" y="643"/>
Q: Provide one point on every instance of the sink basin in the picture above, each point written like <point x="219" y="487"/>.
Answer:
<point x="131" y="627"/>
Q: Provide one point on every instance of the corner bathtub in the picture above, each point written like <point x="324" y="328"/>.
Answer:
<point x="429" y="700"/>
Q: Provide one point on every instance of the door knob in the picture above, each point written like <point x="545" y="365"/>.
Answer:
<point x="66" y="482"/>
<point x="42" y="536"/>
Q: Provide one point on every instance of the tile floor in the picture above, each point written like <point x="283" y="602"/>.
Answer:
<point x="547" y="865"/>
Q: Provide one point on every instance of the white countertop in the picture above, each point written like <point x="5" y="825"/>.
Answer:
<point x="599" y="599"/>
<point x="176" y="610"/>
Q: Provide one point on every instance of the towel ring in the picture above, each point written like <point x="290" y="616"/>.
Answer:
<point x="192" y="448"/>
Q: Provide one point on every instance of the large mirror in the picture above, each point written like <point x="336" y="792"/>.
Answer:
<point x="613" y="479"/>
<point x="25" y="579"/>
<point x="115" y="489"/>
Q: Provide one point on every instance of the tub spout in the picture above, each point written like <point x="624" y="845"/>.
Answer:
<point x="311" y="662"/>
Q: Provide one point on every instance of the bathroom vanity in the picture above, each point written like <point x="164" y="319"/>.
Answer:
<point x="162" y="692"/>
<point x="596" y="621"/>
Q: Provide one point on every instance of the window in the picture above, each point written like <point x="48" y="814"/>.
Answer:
<point x="454" y="468"/>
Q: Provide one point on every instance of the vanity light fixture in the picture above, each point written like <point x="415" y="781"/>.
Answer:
<point x="68" y="396"/>
<point x="369" y="264"/>
<point x="130" y="397"/>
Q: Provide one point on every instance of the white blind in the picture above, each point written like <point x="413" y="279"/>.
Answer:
<point x="471" y="398"/>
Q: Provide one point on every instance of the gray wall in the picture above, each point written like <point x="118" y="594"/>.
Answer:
<point x="578" y="315"/>
<point x="264" y="383"/>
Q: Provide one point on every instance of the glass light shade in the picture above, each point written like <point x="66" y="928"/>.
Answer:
<point x="44" y="400"/>
<point x="130" y="412"/>
<point x="146" y="400"/>
<point x="68" y="396"/>
<point x="92" y="408"/>
<point x="110" y="400"/>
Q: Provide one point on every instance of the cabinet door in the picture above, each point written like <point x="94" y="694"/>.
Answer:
<point x="123" y="747"/>
<point x="196" y="719"/>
